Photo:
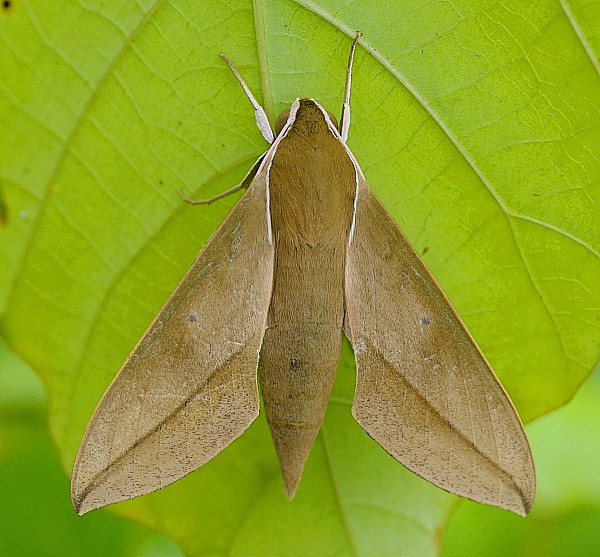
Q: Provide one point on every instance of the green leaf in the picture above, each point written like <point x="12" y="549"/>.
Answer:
<point x="475" y="122"/>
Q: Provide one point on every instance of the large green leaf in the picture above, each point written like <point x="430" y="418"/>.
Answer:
<point x="476" y="122"/>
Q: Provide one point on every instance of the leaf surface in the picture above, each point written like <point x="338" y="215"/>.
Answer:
<point x="476" y="123"/>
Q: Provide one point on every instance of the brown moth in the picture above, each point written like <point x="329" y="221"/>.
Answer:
<point x="307" y="253"/>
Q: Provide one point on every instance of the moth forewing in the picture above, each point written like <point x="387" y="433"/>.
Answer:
<point x="424" y="390"/>
<point x="189" y="387"/>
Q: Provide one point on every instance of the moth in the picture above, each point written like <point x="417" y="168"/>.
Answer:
<point x="307" y="254"/>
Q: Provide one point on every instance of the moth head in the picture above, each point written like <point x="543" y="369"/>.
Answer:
<point x="283" y="118"/>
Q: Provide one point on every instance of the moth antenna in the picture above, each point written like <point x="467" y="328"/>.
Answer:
<point x="259" y="112"/>
<point x="345" y="119"/>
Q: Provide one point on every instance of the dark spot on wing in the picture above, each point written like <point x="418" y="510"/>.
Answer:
<point x="425" y="320"/>
<point x="3" y="210"/>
